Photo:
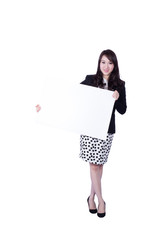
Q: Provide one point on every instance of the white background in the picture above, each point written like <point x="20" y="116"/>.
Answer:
<point x="43" y="183"/>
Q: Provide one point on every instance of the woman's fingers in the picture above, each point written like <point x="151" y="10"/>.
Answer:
<point x="38" y="108"/>
<point x="116" y="95"/>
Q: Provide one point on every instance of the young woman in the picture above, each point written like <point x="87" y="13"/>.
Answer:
<point x="93" y="150"/>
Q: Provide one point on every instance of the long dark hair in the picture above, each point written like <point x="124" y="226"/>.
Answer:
<point x="114" y="81"/>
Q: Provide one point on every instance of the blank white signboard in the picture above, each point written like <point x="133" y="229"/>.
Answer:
<point x="83" y="109"/>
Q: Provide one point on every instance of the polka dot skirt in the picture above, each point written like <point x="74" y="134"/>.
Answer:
<point x="94" y="150"/>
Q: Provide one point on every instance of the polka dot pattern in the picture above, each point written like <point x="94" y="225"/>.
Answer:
<point x="94" y="150"/>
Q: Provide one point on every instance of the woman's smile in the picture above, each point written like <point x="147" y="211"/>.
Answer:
<point x="106" y="70"/>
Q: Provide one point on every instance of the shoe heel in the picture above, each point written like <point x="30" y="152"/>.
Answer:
<point x="101" y="215"/>
<point x="93" y="211"/>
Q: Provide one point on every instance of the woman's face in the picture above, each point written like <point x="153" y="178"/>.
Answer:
<point x="106" y="66"/>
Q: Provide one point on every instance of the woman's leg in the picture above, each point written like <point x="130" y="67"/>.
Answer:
<point x="96" y="175"/>
<point x="100" y="171"/>
<point x="91" y="198"/>
<point x="92" y="195"/>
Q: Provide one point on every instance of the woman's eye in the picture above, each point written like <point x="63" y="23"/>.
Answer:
<point x="103" y="62"/>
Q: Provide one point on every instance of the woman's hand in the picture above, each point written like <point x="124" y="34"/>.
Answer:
<point x="38" y="108"/>
<point x="115" y="95"/>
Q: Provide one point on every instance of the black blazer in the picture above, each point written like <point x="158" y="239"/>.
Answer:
<point x="120" y="104"/>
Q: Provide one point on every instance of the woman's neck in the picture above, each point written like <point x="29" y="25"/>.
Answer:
<point x="106" y="77"/>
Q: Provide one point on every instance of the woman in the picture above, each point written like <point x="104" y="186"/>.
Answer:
<point x="93" y="150"/>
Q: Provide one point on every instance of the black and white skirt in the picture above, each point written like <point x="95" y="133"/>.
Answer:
<point x="94" y="150"/>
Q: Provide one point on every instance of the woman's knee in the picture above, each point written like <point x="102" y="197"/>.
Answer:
<point x="94" y="167"/>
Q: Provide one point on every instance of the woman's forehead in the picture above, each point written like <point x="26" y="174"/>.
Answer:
<point x="105" y="58"/>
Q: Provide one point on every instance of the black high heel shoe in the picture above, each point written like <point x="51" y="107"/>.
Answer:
<point x="91" y="210"/>
<point x="101" y="215"/>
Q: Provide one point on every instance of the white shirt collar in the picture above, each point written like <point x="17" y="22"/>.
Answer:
<point x="106" y="82"/>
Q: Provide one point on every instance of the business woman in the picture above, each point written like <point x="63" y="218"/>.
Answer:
<point x="95" y="151"/>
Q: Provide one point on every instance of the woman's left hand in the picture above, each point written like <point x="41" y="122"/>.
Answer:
<point x="116" y="95"/>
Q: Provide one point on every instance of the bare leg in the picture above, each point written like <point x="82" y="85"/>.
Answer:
<point x="92" y="195"/>
<point x="96" y="175"/>
<point x="100" y="171"/>
<point x="91" y="198"/>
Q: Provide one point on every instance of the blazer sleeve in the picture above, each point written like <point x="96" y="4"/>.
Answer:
<point x="85" y="82"/>
<point x="120" y="104"/>
<point x="88" y="80"/>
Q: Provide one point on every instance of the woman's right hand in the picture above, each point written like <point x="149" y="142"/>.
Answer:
<point x="38" y="108"/>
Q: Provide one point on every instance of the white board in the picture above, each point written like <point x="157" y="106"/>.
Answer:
<point x="83" y="109"/>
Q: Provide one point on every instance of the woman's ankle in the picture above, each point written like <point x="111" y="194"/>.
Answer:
<point x="100" y="201"/>
<point x="92" y="196"/>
